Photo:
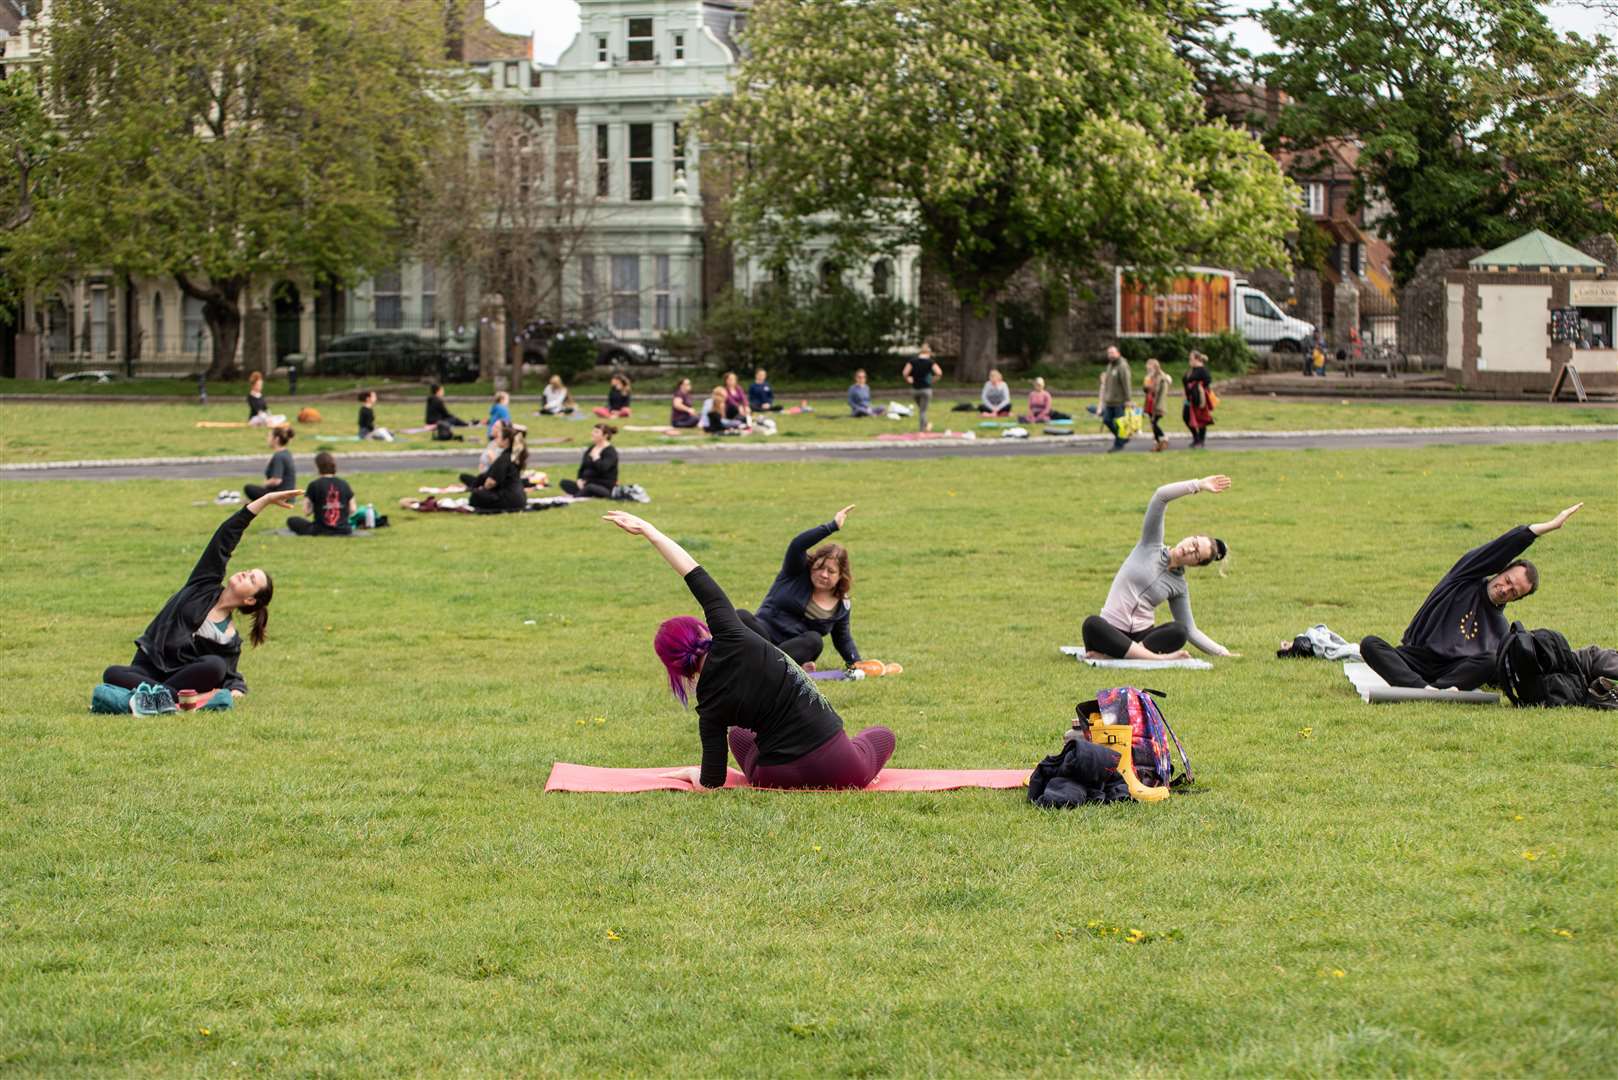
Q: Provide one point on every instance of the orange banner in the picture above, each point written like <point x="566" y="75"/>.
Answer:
<point x="1196" y="303"/>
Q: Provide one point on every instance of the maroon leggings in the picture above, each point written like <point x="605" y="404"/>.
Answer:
<point x="839" y="762"/>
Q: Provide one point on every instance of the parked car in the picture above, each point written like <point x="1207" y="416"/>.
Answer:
<point x="535" y="340"/>
<point x="398" y="352"/>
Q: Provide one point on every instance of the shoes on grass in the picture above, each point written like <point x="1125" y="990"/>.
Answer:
<point x="153" y="700"/>
<point x="228" y="498"/>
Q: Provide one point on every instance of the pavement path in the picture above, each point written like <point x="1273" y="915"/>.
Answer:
<point x="247" y="466"/>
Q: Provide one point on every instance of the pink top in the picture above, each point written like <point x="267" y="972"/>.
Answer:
<point x="735" y="395"/>
<point x="1039" y="405"/>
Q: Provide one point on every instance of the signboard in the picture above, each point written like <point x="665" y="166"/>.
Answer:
<point x="1194" y="301"/>
<point x="1593" y="293"/>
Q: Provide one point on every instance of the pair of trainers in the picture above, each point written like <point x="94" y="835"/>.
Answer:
<point x="633" y="492"/>
<point x="152" y="699"/>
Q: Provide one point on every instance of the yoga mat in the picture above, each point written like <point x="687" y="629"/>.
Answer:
<point x="566" y="776"/>
<point x="1077" y="652"/>
<point x="918" y="436"/>
<point x="323" y="536"/>
<point x="1374" y="690"/>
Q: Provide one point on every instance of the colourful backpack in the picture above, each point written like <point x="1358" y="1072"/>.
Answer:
<point x="1151" y="732"/>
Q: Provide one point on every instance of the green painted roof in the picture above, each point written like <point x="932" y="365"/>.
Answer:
<point x="1534" y="250"/>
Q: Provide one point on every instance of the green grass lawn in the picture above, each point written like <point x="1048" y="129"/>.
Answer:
<point x="356" y="872"/>
<point x="49" y="432"/>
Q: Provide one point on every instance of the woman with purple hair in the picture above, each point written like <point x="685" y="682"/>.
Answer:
<point x="751" y="695"/>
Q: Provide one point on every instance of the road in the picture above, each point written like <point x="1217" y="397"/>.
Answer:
<point x="240" y="467"/>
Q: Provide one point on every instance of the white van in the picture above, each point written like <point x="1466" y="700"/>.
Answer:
<point x="1265" y="326"/>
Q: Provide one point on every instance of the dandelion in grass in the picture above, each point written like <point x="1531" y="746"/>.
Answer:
<point x="612" y="935"/>
<point x="1530" y="855"/>
<point x="1306" y="732"/>
<point x="1338" y="973"/>
<point x="1563" y="933"/>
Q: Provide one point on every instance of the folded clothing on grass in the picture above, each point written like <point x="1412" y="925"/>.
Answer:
<point x="1373" y="689"/>
<point x="1189" y="664"/>
<point x="566" y="776"/>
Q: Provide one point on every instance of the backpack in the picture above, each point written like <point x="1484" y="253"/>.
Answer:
<point x="1537" y="667"/>
<point x="1151" y="732"/>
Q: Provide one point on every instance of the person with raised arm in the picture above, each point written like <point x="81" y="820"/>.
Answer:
<point x="1455" y="635"/>
<point x="809" y="598"/>
<point x="1152" y="574"/>
<point x="192" y="644"/>
<point x="752" y="698"/>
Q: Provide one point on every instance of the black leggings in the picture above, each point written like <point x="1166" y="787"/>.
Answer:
<point x="587" y="490"/>
<point x="1103" y="637"/>
<point x="1412" y="665"/>
<point x="1157" y="428"/>
<point x="209" y="673"/>
<point x="495" y="499"/>
<point x="803" y="647"/>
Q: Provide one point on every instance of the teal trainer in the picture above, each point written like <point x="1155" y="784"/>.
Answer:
<point x="107" y="698"/>
<point x="152" y="699"/>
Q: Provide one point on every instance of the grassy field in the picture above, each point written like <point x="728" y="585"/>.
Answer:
<point x="49" y="432"/>
<point x="356" y="871"/>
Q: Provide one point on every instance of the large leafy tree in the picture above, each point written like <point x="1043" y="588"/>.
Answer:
<point x="216" y="141"/>
<point x="992" y="133"/>
<point x="1475" y="120"/>
<point x="28" y="145"/>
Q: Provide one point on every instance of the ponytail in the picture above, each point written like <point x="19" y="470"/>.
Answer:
<point x="261" y="612"/>
<point x="519" y="447"/>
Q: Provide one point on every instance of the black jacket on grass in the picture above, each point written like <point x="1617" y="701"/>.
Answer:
<point x="171" y="641"/>
<point x="782" y="609"/>
<point x="603" y="471"/>
<point x="507" y="493"/>
<point x="747" y="682"/>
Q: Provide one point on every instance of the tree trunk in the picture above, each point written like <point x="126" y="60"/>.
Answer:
<point x="980" y="339"/>
<point x="223" y="315"/>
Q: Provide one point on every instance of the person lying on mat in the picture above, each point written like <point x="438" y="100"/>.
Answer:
<point x="598" y="469"/>
<point x="329" y="502"/>
<point x="809" y="598"/>
<point x="279" y="474"/>
<point x="500" y="486"/>
<point x="192" y="644"/>
<point x="751" y="695"/>
<point x="1455" y="634"/>
<point x="1153" y="573"/>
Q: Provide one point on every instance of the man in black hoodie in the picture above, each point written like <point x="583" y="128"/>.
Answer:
<point x="1453" y="639"/>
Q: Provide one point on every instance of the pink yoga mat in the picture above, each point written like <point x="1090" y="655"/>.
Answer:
<point x="566" y="776"/>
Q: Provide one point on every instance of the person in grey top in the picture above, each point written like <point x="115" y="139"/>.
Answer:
<point x="1152" y="574"/>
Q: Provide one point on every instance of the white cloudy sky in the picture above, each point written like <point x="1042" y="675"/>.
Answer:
<point x="554" y="22"/>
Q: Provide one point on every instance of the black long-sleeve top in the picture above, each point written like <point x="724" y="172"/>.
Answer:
<point x="171" y="639"/>
<point x="1458" y="618"/>
<point x="783" y="606"/>
<point x="256" y="404"/>
<point x="603" y="471"/>
<point x="747" y="682"/>
<point x="438" y="410"/>
<point x="617" y="399"/>
<point x="367" y="420"/>
<point x="507" y="482"/>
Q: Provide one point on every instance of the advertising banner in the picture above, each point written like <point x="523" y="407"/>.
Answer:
<point x="1194" y="301"/>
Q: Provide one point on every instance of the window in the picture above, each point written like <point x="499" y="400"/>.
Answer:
<point x="679" y="46"/>
<point x="642" y="48"/>
<point x="98" y="320"/>
<point x="626" y="292"/>
<point x="511" y="74"/>
<point x="533" y="75"/>
<point x="831" y="274"/>
<point x="1356" y="258"/>
<point x="882" y="277"/>
<point x="389" y="304"/>
<point x="1258" y="307"/>
<point x="660" y="294"/>
<point x="1313" y="199"/>
<point x="193" y="327"/>
<point x="157" y="323"/>
<point x="603" y="163"/>
<point x="429" y="294"/>
<point x="601" y="48"/>
<point x="640" y="162"/>
<point x="1595" y="328"/>
<point x="522" y="162"/>
<point x="679" y="150"/>
<point x="589" y="287"/>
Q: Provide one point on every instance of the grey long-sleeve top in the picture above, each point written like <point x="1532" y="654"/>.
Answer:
<point x="1145" y="580"/>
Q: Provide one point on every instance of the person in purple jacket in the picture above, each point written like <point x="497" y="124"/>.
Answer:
<point x="1453" y="639"/>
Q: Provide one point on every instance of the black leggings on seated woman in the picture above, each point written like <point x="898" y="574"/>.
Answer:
<point x="802" y="647"/>
<point x="208" y="673"/>
<point x="587" y="490"/>
<point x="1103" y="637"/>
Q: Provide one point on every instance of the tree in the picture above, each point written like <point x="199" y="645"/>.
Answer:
<point x="1461" y="109"/>
<point x="216" y="141"/>
<point x="509" y="209"/>
<point x="28" y="145"/>
<point x="990" y="133"/>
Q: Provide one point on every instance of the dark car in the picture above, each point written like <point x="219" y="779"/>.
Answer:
<point x="399" y="352"/>
<point x="535" y="340"/>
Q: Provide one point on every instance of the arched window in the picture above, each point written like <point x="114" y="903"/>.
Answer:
<point x="831" y="274"/>
<point x="157" y="323"/>
<point x="882" y="277"/>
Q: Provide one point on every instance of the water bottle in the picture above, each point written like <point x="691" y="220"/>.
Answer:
<point x="370" y="516"/>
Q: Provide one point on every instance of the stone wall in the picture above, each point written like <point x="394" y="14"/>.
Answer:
<point x="1603" y="247"/>
<point x="1422" y="304"/>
